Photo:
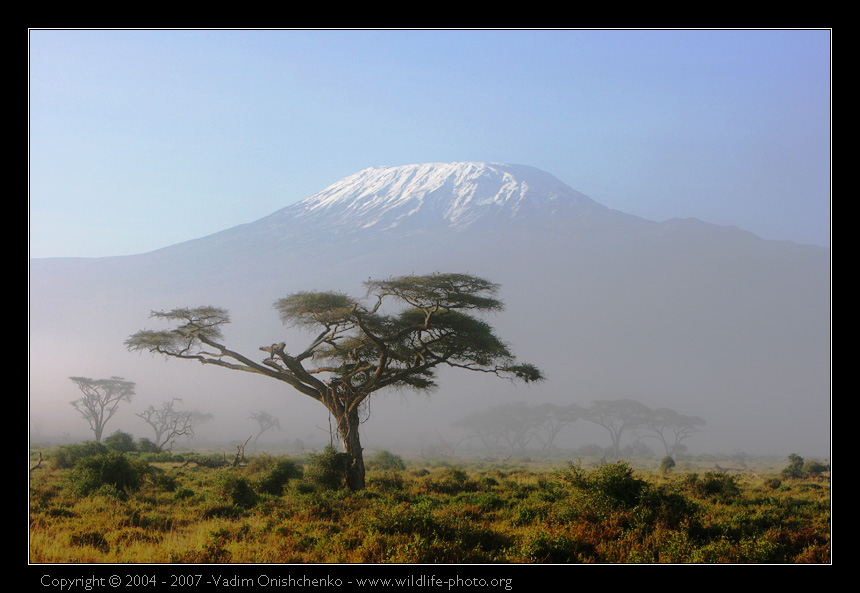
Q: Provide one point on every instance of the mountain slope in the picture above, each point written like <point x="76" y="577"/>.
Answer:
<point x="710" y="320"/>
<point x="429" y="198"/>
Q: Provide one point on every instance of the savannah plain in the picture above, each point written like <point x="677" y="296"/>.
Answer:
<point x="92" y="504"/>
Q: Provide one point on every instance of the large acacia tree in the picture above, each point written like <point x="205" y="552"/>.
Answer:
<point x="358" y="347"/>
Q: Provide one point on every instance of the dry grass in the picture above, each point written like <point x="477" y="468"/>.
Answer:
<point x="469" y="514"/>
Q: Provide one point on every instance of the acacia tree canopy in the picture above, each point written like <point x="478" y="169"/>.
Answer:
<point x="359" y="346"/>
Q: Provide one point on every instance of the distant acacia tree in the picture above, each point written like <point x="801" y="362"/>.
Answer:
<point x="100" y="400"/>
<point x="617" y="417"/>
<point x="510" y="426"/>
<point x="517" y="424"/>
<point x="265" y="422"/>
<point x="358" y="347"/>
<point x="669" y="427"/>
<point x="171" y="424"/>
<point x="555" y="418"/>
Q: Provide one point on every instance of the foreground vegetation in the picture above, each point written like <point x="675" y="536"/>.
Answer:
<point x="89" y="504"/>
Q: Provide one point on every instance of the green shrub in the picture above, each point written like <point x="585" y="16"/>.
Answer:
<point x="662" y="506"/>
<point x="614" y="485"/>
<point x="328" y="469"/>
<point x="556" y="549"/>
<point x="799" y="469"/>
<point x="451" y="480"/>
<point x="485" y="501"/>
<point x="277" y="475"/>
<point x="108" y="472"/>
<point x="488" y="482"/>
<point x="716" y="485"/>
<point x="438" y="538"/>
<point x="388" y="481"/>
<point x="667" y="464"/>
<point x="121" y="442"/>
<point x="161" y="479"/>
<point x="773" y="483"/>
<point x="222" y="511"/>
<point x="237" y="490"/>
<point x="144" y="445"/>
<point x="182" y="493"/>
<point x="794" y="469"/>
<point x="611" y="485"/>
<point x="68" y="455"/>
<point x="385" y="460"/>
<point x="814" y="468"/>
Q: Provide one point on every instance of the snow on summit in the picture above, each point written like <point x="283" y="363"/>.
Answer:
<point x="429" y="195"/>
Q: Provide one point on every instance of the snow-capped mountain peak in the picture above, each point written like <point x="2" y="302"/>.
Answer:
<point x="454" y="195"/>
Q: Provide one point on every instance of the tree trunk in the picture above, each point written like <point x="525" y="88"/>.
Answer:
<point x="347" y="426"/>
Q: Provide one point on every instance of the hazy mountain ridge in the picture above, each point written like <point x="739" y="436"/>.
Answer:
<point x="699" y="317"/>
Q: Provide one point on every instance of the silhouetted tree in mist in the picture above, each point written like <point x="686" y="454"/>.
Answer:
<point x="265" y="422"/>
<point x="101" y="398"/>
<point x="171" y="424"/>
<point x="669" y="427"/>
<point x="617" y="417"/>
<point x="515" y="425"/>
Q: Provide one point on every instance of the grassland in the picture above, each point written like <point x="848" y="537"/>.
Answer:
<point x="278" y="509"/>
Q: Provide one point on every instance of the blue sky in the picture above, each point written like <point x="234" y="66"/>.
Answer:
<point x="139" y="139"/>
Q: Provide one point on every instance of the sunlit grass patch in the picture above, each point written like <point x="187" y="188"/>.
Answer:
<point x="271" y="511"/>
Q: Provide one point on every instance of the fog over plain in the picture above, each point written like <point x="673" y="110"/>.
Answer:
<point x="154" y="154"/>
<point x="710" y="321"/>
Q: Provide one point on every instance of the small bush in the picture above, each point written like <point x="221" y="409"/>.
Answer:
<point x="799" y="469"/>
<point x="773" y="483"/>
<point x="328" y="469"/>
<point x="794" y="468"/>
<point x="814" y="468"/>
<point x="121" y="442"/>
<point x="160" y="479"/>
<point x="68" y="455"/>
<point x="666" y="465"/>
<point x="237" y="490"/>
<point x="717" y="485"/>
<point x="159" y="456"/>
<point x="451" y="480"/>
<point x="615" y="485"/>
<point x="222" y="511"/>
<point x="107" y="472"/>
<point x="385" y="460"/>
<point x="486" y="502"/>
<point x="388" y="481"/>
<point x="277" y="475"/>
<point x="611" y="485"/>
<point x="182" y="493"/>
<point x="661" y="506"/>
<point x="144" y="445"/>
<point x="557" y="549"/>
